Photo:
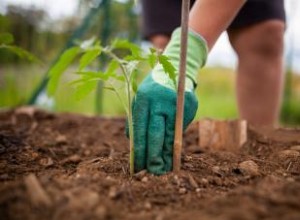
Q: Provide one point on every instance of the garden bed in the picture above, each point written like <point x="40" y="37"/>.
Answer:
<point x="69" y="166"/>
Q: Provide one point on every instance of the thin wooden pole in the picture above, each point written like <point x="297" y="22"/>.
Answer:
<point x="181" y="86"/>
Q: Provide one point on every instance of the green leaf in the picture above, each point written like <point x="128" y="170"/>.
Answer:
<point x="124" y="44"/>
<point x="133" y="58"/>
<point x="112" y="67"/>
<point x="89" y="76"/>
<point x="168" y="67"/>
<point x="133" y="81"/>
<point x="77" y="82"/>
<point x="152" y="59"/>
<point x="109" y="88"/>
<point x="89" y="57"/>
<point x="119" y="78"/>
<point x="20" y="52"/>
<point x="61" y="65"/>
<point x="84" y="89"/>
<point x="6" y="38"/>
<point x="88" y="73"/>
<point x="153" y="50"/>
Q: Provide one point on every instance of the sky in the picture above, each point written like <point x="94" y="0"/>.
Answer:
<point x="222" y="54"/>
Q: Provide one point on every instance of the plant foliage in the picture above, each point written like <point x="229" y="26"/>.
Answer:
<point x="6" y="42"/>
<point x="123" y="68"/>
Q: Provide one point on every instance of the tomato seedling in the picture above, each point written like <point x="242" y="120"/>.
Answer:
<point x="123" y="67"/>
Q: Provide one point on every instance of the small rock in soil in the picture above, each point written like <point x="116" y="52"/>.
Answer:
<point x="249" y="167"/>
<point x="101" y="212"/>
<point x="290" y="179"/>
<point x="61" y="139"/>
<point x="182" y="191"/>
<point x="114" y="193"/>
<point x="148" y="206"/>
<point x="144" y="179"/>
<point x="72" y="159"/>
<point x="140" y="175"/>
<point x="91" y="198"/>
<point x="175" y="180"/>
<point x="160" y="216"/>
<point x="87" y="152"/>
<point x="217" y="171"/>
<point x="216" y="181"/>
<point x="204" y="182"/>
<point x="46" y="162"/>
<point x="34" y="155"/>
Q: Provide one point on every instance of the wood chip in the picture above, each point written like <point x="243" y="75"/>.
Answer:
<point x="222" y="135"/>
<point x="37" y="195"/>
<point x="193" y="182"/>
<point x="26" y="110"/>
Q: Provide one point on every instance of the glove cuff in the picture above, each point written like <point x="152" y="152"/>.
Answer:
<point x="196" y="57"/>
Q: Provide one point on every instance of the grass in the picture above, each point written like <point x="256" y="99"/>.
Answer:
<point x="215" y="92"/>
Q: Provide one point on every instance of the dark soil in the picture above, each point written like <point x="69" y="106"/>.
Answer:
<point x="67" y="166"/>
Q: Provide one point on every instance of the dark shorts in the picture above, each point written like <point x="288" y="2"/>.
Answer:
<point x="163" y="16"/>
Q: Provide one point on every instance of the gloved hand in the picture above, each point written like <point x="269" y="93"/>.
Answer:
<point x="154" y="106"/>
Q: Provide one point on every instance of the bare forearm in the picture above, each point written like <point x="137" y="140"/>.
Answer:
<point x="211" y="17"/>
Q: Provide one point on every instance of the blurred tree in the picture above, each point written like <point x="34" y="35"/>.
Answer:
<point x="24" y="24"/>
<point x="34" y="32"/>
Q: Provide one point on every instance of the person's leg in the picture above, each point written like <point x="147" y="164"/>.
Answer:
<point x="159" y="20"/>
<point x="260" y="70"/>
<point x="159" y="41"/>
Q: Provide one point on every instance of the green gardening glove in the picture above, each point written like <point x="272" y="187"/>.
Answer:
<point x="154" y="106"/>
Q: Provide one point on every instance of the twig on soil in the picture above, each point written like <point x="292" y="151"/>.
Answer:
<point x="205" y="162"/>
<point x="129" y="191"/>
<point x="289" y="166"/>
<point x="192" y="181"/>
<point x="265" y="161"/>
<point x="37" y="194"/>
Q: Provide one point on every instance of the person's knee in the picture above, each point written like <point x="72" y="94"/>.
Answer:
<point x="263" y="40"/>
<point x="159" y="41"/>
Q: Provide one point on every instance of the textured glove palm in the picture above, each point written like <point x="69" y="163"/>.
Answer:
<point x="154" y="107"/>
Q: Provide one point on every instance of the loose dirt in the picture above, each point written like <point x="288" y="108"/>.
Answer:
<point x="68" y="166"/>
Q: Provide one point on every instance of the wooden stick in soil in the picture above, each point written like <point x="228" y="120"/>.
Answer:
<point x="181" y="87"/>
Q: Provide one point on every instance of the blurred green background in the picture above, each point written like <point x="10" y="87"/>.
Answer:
<point x="36" y="32"/>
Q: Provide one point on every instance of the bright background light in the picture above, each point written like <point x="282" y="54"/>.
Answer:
<point x="221" y="55"/>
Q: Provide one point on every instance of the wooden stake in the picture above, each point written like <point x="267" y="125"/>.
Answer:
<point x="229" y="135"/>
<point x="181" y="87"/>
